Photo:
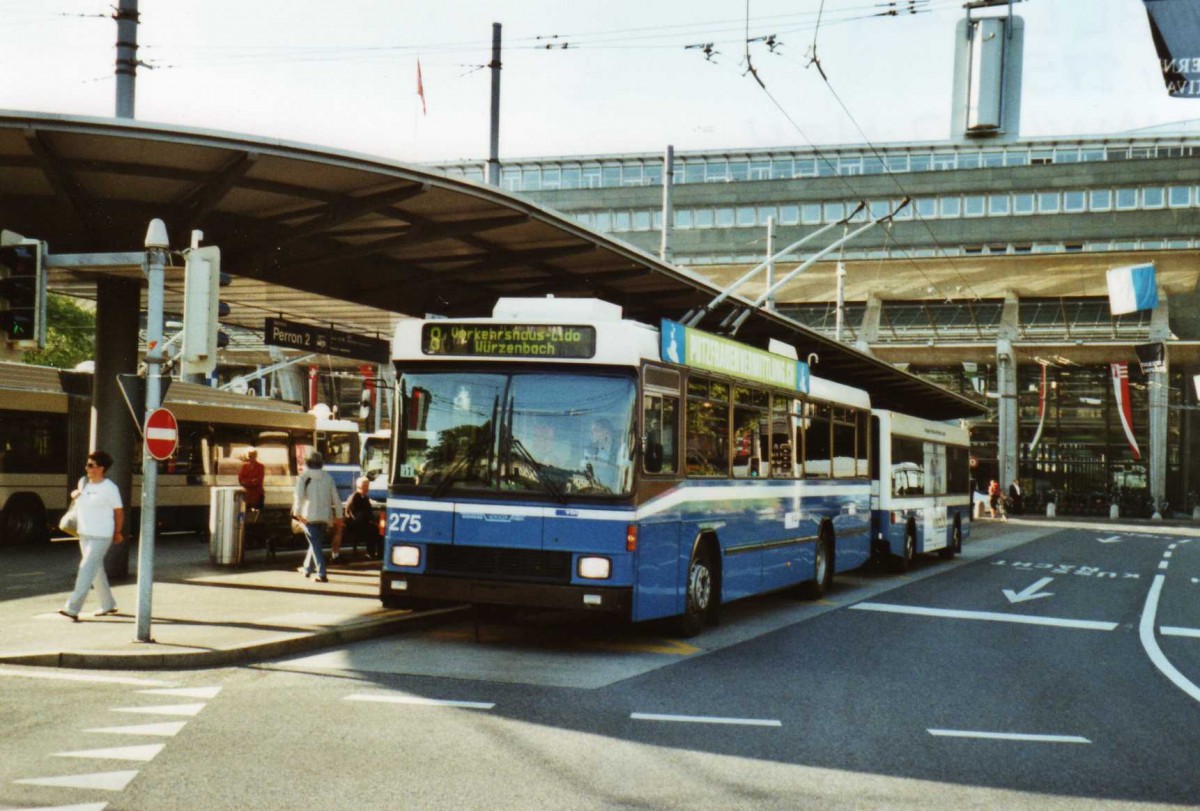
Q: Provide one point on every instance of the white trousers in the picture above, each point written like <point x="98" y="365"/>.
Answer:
<point x="91" y="573"/>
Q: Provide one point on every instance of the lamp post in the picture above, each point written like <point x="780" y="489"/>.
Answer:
<point x="157" y="254"/>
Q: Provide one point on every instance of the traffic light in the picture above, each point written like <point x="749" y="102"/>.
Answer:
<point x="22" y="290"/>
<point x="202" y="308"/>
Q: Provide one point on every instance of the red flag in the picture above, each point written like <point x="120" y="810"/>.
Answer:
<point x="1120" y="379"/>
<point x="421" y="89"/>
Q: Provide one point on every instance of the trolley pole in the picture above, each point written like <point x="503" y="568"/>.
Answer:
<point x="157" y="247"/>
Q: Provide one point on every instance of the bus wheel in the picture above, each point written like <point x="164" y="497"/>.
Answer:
<point x="955" y="545"/>
<point x="23" y="521"/>
<point x="701" y="597"/>
<point x="822" y="569"/>
<point x="904" y="561"/>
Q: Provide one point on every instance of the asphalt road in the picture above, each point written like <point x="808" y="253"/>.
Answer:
<point x="1043" y="669"/>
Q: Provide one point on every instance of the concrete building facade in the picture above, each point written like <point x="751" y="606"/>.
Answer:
<point x="990" y="271"/>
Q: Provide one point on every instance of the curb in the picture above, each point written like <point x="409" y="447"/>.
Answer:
<point x="240" y="655"/>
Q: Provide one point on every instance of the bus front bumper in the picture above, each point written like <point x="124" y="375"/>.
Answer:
<point x="608" y="600"/>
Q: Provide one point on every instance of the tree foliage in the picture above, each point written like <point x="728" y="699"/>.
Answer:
<point x="70" y="335"/>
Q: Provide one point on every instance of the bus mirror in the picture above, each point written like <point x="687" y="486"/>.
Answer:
<point x="654" y="457"/>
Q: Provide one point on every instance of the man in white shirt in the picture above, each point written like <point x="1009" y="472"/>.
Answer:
<point x="316" y="506"/>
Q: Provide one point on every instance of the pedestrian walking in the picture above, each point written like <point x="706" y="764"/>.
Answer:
<point x="360" y="518"/>
<point x="101" y="524"/>
<point x="1015" y="498"/>
<point x="994" y="497"/>
<point x="317" y="508"/>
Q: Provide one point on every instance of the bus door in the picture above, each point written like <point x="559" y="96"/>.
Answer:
<point x="658" y="522"/>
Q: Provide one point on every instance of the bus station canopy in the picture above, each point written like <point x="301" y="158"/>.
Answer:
<point x="350" y="241"/>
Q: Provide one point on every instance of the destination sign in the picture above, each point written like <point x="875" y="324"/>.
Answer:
<point x="310" y="338"/>
<point x="509" y="340"/>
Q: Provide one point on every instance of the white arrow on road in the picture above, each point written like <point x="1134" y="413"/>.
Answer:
<point x="1030" y="592"/>
<point x="1112" y="539"/>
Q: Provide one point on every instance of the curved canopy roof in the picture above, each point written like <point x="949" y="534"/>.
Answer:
<point x="350" y="240"/>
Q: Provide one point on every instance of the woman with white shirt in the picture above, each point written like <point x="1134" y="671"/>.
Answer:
<point x="101" y="519"/>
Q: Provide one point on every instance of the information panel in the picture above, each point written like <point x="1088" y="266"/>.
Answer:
<point x="509" y="340"/>
<point x="294" y="335"/>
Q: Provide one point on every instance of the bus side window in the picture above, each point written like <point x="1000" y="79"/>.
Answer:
<point x="818" y="444"/>
<point x="844" y="454"/>
<point x="661" y="421"/>
<point x="707" y="428"/>
<point x="778" y="438"/>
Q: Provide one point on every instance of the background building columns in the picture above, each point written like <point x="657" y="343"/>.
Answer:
<point x="118" y="310"/>
<point x="1007" y="445"/>
<point x="1159" y="399"/>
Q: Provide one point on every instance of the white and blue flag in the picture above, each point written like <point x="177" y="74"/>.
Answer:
<point x="1131" y="289"/>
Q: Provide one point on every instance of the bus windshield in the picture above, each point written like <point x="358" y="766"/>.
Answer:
<point x="544" y="433"/>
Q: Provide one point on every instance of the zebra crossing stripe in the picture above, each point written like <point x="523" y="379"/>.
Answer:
<point x="143" y="753"/>
<point x="100" y="781"/>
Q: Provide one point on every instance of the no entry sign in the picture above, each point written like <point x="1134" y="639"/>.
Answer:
<point x="162" y="433"/>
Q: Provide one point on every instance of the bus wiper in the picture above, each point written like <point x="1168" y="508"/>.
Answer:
<point x="538" y="469"/>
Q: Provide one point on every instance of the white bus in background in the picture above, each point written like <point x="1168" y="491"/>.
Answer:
<point x="924" y="490"/>
<point x="377" y="463"/>
<point x="44" y="432"/>
<point x="340" y="445"/>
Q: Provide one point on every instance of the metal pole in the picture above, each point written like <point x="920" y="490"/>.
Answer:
<point x="377" y="407"/>
<point x="770" y="263"/>
<point x="156" y="259"/>
<point x="127" y="25"/>
<point x="664" y="250"/>
<point x="841" y="301"/>
<point x="494" y="148"/>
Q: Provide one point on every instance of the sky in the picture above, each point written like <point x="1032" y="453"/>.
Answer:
<point x="619" y="76"/>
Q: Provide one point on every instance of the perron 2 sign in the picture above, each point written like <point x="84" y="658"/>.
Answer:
<point x="310" y="338"/>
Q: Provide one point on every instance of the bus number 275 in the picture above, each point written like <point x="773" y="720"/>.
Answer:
<point x="404" y="522"/>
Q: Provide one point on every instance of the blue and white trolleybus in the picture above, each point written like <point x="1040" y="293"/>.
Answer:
<point x="558" y="455"/>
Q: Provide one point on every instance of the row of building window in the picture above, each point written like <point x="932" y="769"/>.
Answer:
<point x="951" y="206"/>
<point x="958" y="320"/>
<point x="991" y="249"/>
<point x="550" y="175"/>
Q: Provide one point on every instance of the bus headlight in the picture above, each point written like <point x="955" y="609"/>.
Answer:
<point x="595" y="568"/>
<point x="403" y="555"/>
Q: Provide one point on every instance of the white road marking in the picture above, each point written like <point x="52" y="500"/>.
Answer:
<point x="143" y="753"/>
<point x="83" y="806"/>
<point x="1150" y="644"/>
<point x="1172" y="546"/>
<point x="1167" y="554"/>
<point x="1162" y="564"/>
<point x="101" y="781"/>
<point x="990" y="616"/>
<point x="167" y="729"/>
<point x="705" y="719"/>
<point x="385" y="698"/>
<point x="80" y="807"/>
<point x="164" y="709"/>
<point x="86" y="677"/>
<point x="185" y="692"/>
<point x="1007" y="736"/>
<point x="1168" y="630"/>
<point x="1029" y="592"/>
<point x="1110" y="539"/>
